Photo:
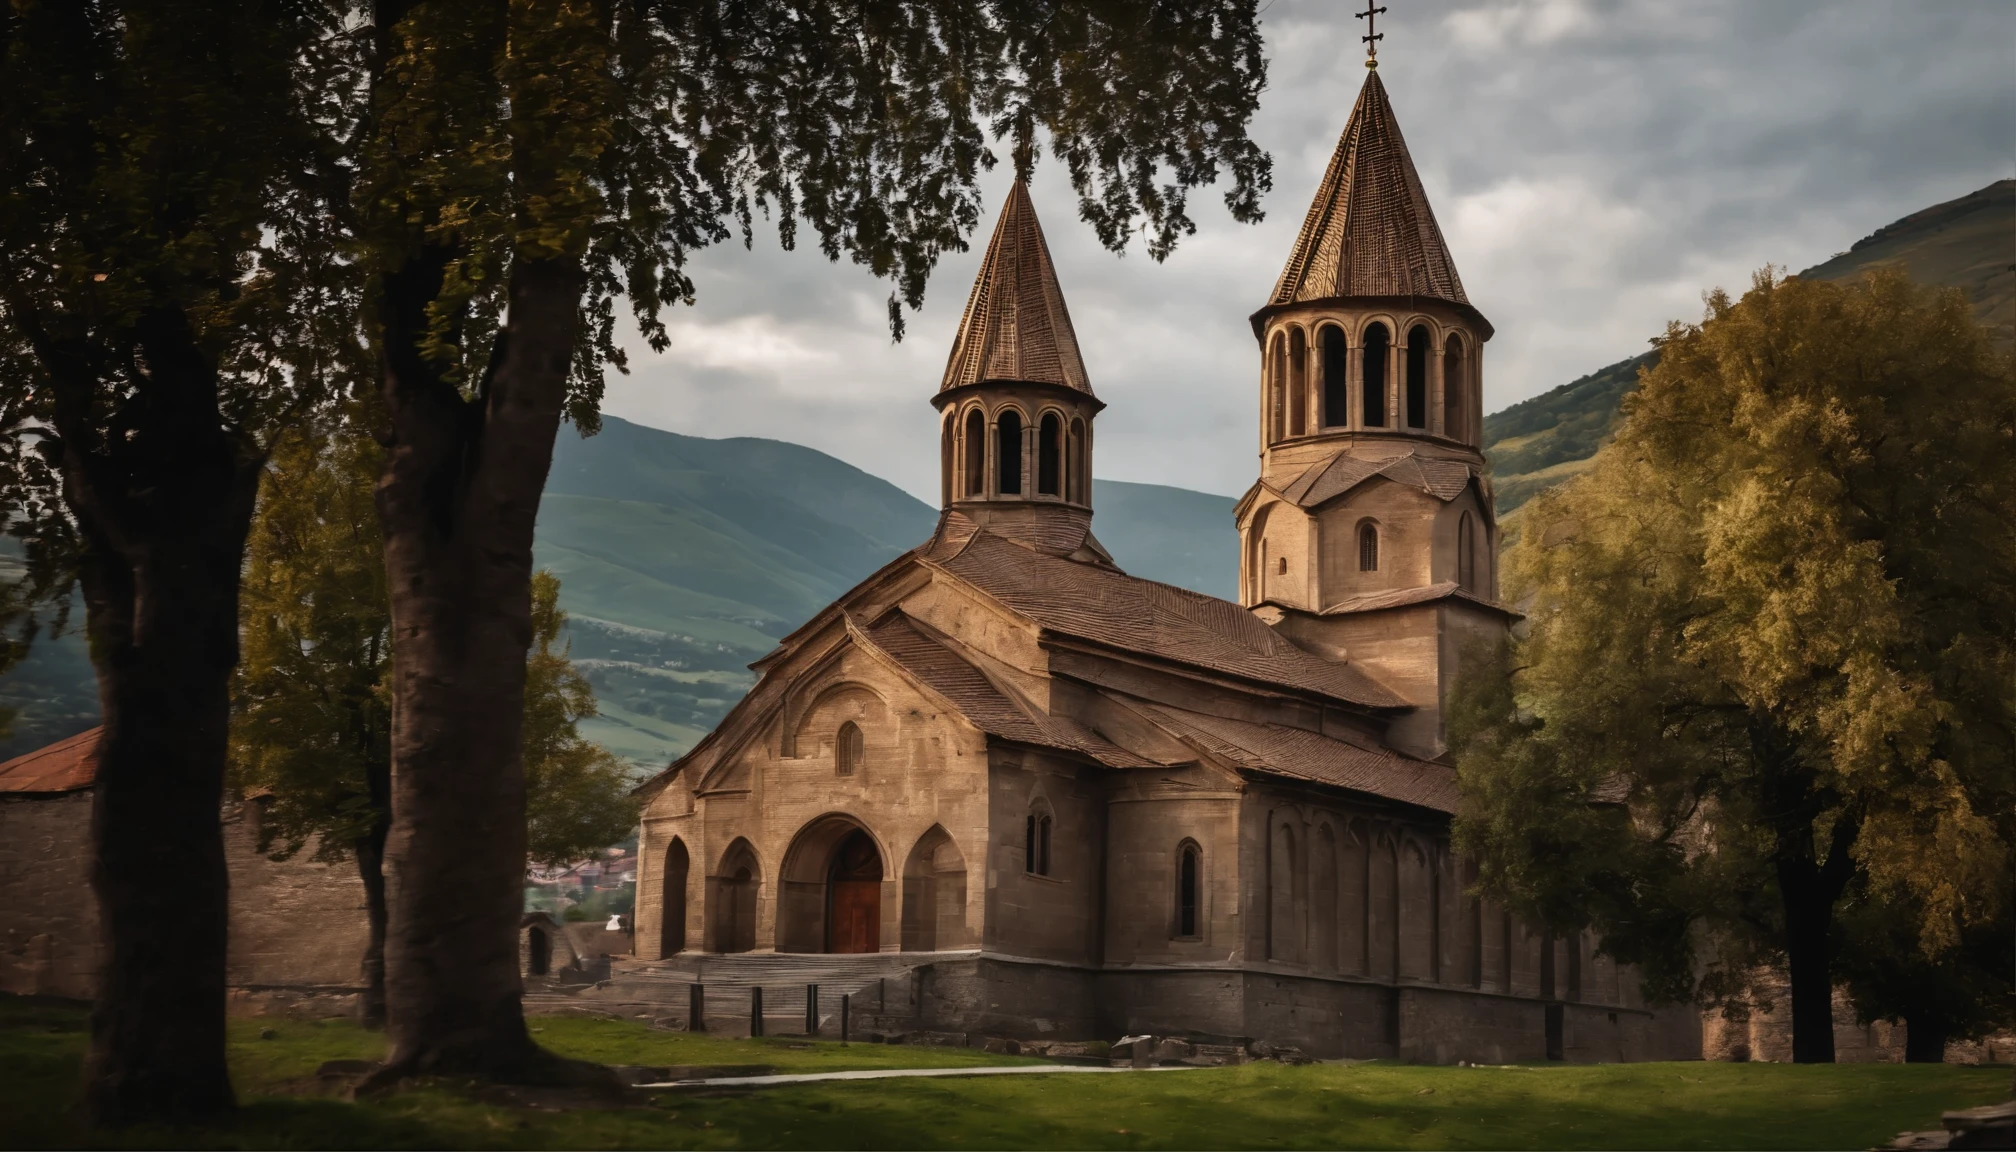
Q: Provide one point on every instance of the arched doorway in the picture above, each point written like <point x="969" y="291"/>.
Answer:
<point x="854" y="896"/>
<point x="672" y="925"/>
<point x="539" y="949"/>
<point x="934" y="895"/>
<point x="734" y="911"/>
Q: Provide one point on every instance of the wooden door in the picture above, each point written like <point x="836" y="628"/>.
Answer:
<point x="857" y="916"/>
<point x="854" y="896"/>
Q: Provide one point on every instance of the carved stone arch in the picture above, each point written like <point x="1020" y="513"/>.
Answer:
<point x="1325" y="862"/>
<point x="734" y="892"/>
<point x="1353" y="903"/>
<point x="934" y="894"/>
<point x="1332" y="354"/>
<point x="1052" y="451"/>
<point x="1379" y="338"/>
<point x="674" y="882"/>
<point x="1419" y="911"/>
<point x="816" y="710"/>
<point x="1287" y="885"/>
<point x="818" y="908"/>
<point x="1010" y="422"/>
<point x="973" y="452"/>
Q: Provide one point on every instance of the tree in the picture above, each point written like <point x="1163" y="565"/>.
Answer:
<point x="1770" y="641"/>
<point x="164" y="285"/>
<point x="524" y="165"/>
<point x="312" y="723"/>
<point x="577" y="794"/>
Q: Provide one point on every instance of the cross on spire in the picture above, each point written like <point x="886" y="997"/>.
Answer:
<point x="1372" y="36"/>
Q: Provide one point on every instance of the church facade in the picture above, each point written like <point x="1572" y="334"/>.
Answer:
<point x="1088" y="804"/>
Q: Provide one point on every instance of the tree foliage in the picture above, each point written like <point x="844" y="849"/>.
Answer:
<point x="1771" y="650"/>
<point x="577" y="794"/>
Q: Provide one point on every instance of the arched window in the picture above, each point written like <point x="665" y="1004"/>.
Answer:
<point x="1417" y="377"/>
<point x="1079" y="485"/>
<point x="976" y="454"/>
<point x="1036" y="843"/>
<point x="1373" y="380"/>
<point x="1368" y="547"/>
<point x="847" y="748"/>
<point x="1277" y="383"/>
<point x="1466" y="554"/>
<point x="948" y="449"/>
<point x="1454" y="390"/>
<point x="1008" y="451"/>
<point x="1336" y="378"/>
<point x="1050" y="456"/>
<point x="1298" y="381"/>
<point x="1189" y="865"/>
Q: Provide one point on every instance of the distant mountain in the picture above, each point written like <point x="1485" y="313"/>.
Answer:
<point x="682" y="559"/>
<point x="1968" y="243"/>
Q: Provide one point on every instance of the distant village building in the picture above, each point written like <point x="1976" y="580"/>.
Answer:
<point x="1093" y="804"/>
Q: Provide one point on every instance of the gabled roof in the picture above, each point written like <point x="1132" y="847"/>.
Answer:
<point x="1330" y="478"/>
<point x="1370" y="231"/>
<point x="1424" y="594"/>
<point x="985" y="704"/>
<point x="1016" y="327"/>
<point x="65" y="766"/>
<point x="1278" y="750"/>
<point x="1110" y="608"/>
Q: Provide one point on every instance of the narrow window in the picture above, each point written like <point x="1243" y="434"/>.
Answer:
<point x="1036" y="843"/>
<point x="1374" y="380"/>
<point x="1466" y="555"/>
<point x="1417" y="377"/>
<point x="1043" y="845"/>
<point x="1281" y="566"/>
<point x="1368" y="547"/>
<point x="847" y="748"/>
<point x="1029" y="845"/>
<point x="1081" y="466"/>
<point x="948" y="467"/>
<point x="1008" y="434"/>
<point x="1277" y="382"/>
<point x="1050" y="456"/>
<point x="1186" y="892"/>
<point x="976" y="455"/>
<point x="1454" y="395"/>
<point x="1298" y="381"/>
<point x="1336" y="378"/>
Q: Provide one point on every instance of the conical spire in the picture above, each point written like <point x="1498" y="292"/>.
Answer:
<point x="1370" y="231"/>
<point x="1016" y="327"/>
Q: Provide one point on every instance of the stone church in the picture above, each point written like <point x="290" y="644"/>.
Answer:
<point x="1085" y="804"/>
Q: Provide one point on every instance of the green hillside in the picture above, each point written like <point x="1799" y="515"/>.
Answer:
<point x="1968" y="243"/>
<point x="682" y="559"/>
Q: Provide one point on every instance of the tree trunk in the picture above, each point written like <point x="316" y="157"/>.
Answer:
<point x="458" y="499"/>
<point x="1808" y="924"/>
<point x="163" y="516"/>
<point x="1925" y="1032"/>
<point x="370" y="852"/>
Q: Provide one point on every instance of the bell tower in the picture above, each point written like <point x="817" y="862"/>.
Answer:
<point x="1015" y="406"/>
<point x="1370" y="535"/>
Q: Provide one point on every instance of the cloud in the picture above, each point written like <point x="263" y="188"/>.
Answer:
<point x="1596" y="165"/>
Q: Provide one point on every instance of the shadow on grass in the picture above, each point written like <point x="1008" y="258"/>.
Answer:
<point x="1683" y="1106"/>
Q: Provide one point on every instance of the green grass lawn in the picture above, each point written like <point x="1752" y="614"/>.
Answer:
<point x="1374" y="1105"/>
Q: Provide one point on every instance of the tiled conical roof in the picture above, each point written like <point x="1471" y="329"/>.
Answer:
<point x="1370" y="231"/>
<point x="1016" y="327"/>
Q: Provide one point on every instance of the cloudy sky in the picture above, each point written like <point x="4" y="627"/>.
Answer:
<point x="1594" y="166"/>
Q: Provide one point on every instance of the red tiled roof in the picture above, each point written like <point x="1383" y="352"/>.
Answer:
<point x="1016" y="327"/>
<point x="65" y="766"/>
<point x="1109" y="607"/>
<point x="1304" y="755"/>
<point x="1370" y="231"/>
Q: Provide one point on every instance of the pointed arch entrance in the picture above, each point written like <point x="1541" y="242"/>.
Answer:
<point x="672" y="918"/>
<point x="934" y="895"/>
<point x="835" y="880"/>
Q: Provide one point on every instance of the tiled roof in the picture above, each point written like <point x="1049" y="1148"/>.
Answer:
<point x="985" y="704"/>
<point x="1370" y="231"/>
<point x="1016" y="327"/>
<point x="65" y="766"/>
<point x="1402" y="597"/>
<point x="1305" y="755"/>
<point x="1328" y="479"/>
<point x="1109" y="607"/>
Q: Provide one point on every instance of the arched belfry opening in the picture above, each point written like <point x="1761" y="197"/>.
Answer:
<point x="1336" y="377"/>
<point x="1298" y="381"/>
<point x="1418" y="343"/>
<point x="1050" y="456"/>
<point x="1008" y="452"/>
<point x="1455" y="384"/>
<point x="974" y="448"/>
<point x="1374" y="374"/>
